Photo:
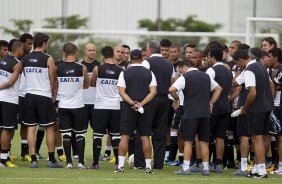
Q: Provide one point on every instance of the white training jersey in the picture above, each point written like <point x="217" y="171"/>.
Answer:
<point x="71" y="79"/>
<point x="107" y="96"/>
<point x="6" y="70"/>
<point x="36" y="74"/>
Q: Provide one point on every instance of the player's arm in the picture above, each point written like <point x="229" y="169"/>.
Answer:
<point x="216" y="89"/>
<point x="250" y="99"/>
<point x="16" y="72"/>
<point x="94" y="77"/>
<point x="52" y="77"/>
<point x="125" y="97"/>
<point x="86" y="78"/>
<point x="152" y="91"/>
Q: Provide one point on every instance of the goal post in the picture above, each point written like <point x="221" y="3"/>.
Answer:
<point x="265" y="26"/>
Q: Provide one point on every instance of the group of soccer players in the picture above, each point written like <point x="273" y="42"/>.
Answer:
<point x="184" y="105"/>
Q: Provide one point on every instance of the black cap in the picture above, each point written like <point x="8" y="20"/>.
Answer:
<point x="136" y="54"/>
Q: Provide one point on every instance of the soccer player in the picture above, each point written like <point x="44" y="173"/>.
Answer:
<point x="165" y="47"/>
<point x="3" y="48"/>
<point x="10" y="69"/>
<point x="89" y="95"/>
<point x="196" y="120"/>
<point x="137" y="87"/>
<point x="259" y="103"/>
<point x="221" y="111"/>
<point x="126" y="52"/>
<point x="27" y="40"/>
<point x="73" y="78"/>
<point x="41" y="92"/>
<point x="107" y="104"/>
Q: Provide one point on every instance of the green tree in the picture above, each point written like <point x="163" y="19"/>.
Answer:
<point x="20" y="26"/>
<point x="190" y="24"/>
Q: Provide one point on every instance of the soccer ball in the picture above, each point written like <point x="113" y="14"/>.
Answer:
<point x="131" y="161"/>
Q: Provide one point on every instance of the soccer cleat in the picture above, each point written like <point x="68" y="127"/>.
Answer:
<point x="239" y="172"/>
<point x="206" y="173"/>
<point x="149" y="170"/>
<point x="69" y="166"/>
<point x="197" y="168"/>
<point x="183" y="172"/>
<point x="176" y="163"/>
<point x="34" y="164"/>
<point x="119" y="170"/>
<point x="13" y="158"/>
<point x="2" y="165"/>
<point x="26" y="158"/>
<point x="270" y="167"/>
<point x="39" y="157"/>
<point x="81" y="166"/>
<point x="257" y="176"/>
<point x="217" y="169"/>
<point x="54" y="165"/>
<point x="10" y="164"/>
<point x="112" y="160"/>
<point x="168" y="161"/>
<point x="62" y="158"/>
<point x="278" y="171"/>
<point x="94" y="167"/>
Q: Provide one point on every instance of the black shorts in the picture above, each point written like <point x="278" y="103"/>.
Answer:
<point x="21" y="109"/>
<point x="199" y="126"/>
<point x="242" y="126"/>
<point x="232" y="125"/>
<point x="219" y="125"/>
<point x="177" y="117"/>
<point x="72" y="120"/>
<point x="170" y="113"/>
<point x="132" y="120"/>
<point x="106" y="119"/>
<point x="278" y="114"/>
<point x="89" y="108"/>
<point x="8" y="115"/>
<point x="259" y="123"/>
<point x="39" y="110"/>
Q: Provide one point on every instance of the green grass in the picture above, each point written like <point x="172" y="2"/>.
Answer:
<point x="24" y="175"/>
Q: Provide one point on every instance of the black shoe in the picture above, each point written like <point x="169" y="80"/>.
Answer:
<point x="258" y="176"/>
<point x="119" y="170"/>
<point x="149" y="170"/>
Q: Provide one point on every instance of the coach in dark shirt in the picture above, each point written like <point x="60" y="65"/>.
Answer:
<point x="163" y="71"/>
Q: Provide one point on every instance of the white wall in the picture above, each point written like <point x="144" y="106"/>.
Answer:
<point x="124" y="14"/>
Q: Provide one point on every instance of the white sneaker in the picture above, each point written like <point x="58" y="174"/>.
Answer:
<point x="69" y="166"/>
<point x="81" y="166"/>
<point x="278" y="171"/>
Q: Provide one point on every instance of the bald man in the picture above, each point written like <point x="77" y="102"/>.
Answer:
<point x="89" y="94"/>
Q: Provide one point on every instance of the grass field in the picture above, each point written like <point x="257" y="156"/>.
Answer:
<point x="24" y="175"/>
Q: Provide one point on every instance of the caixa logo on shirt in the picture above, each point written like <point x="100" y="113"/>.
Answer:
<point x="69" y="79"/>
<point x="3" y="73"/>
<point x="109" y="81"/>
<point x="33" y="70"/>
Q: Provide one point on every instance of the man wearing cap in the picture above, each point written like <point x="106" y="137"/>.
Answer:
<point x="137" y="87"/>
